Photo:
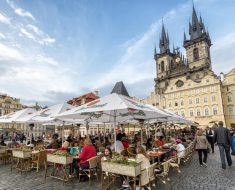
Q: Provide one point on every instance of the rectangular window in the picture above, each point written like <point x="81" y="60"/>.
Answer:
<point x="213" y="98"/>
<point x="205" y="99"/>
<point x="197" y="100"/>
<point x="198" y="112"/>
<point x="190" y="101"/>
<point x="215" y="112"/>
<point x="191" y="113"/>
<point x="230" y="110"/>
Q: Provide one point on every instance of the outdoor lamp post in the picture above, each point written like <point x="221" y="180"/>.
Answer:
<point x="141" y="122"/>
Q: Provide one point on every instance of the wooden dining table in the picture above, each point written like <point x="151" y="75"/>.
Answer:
<point x="156" y="154"/>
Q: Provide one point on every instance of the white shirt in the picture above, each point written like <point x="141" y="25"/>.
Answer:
<point x="119" y="147"/>
<point x="180" y="150"/>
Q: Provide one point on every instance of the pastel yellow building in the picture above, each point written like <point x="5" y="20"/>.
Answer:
<point x="187" y="84"/>
<point x="228" y="94"/>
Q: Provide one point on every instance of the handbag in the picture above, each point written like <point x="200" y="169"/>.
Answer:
<point x="233" y="153"/>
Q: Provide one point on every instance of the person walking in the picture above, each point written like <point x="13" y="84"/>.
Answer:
<point x="223" y="141"/>
<point x="201" y="145"/>
<point x="210" y="137"/>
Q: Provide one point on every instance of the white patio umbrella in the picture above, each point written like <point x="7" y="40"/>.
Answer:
<point x="47" y="115"/>
<point x="17" y="116"/>
<point x="112" y="108"/>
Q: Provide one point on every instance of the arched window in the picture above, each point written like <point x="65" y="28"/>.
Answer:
<point x="206" y="111"/>
<point x="198" y="112"/>
<point x="191" y="113"/>
<point x="159" y="67"/>
<point x="215" y="111"/>
<point x="229" y="98"/>
<point x="195" y="54"/>
<point x="162" y="66"/>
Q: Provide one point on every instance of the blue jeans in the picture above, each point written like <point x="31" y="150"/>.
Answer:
<point x="224" y="149"/>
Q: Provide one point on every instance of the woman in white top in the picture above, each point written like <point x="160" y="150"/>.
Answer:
<point x="143" y="158"/>
<point x="180" y="148"/>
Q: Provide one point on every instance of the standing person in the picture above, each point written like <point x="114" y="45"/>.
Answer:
<point x="210" y="137"/>
<point x="201" y="145"/>
<point x="223" y="141"/>
<point x="233" y="144"/>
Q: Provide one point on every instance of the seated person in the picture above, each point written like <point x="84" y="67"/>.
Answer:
<point x="160" y="142"/>
<point x="75" y="149"/>
<point x="117" y="146"/>
<point x="143" y="158"/>
<point x="65" y="146"/>
<point x="107" y="154"/>
<point x="125" y="143"/>
<point x="180" y="148"/>
<point x="149" y="144"/>
<point x="88" y="151"/>
<point x="2" y="143"/>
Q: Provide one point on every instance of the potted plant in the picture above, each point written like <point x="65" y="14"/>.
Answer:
<point x="120" y="165"/>
<point x="22" y="153"/>
<point x="60" y="157"/>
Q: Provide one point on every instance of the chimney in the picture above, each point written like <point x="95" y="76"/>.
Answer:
<point x="222" y="76"/>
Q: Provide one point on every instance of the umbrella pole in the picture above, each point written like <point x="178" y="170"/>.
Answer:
<point x="115" y="135"/>
<point x="63" y="132"/>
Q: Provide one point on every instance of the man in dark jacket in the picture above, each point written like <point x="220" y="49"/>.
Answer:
<point x="223" y="141"/>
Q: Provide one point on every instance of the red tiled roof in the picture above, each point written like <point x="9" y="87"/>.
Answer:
<point x="89" y="96"/>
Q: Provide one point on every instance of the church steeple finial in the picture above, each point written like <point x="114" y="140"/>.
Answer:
<point x="155" y="53"/>
<point x="185" y="37"/>
<point x="164" y="40"/>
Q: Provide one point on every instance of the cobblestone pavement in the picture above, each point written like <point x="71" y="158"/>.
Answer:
<point x="192" y="177"/>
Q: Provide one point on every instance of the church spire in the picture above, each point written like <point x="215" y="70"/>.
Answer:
<point x="164" y="41"/>
<point x="195" y="29"/>
<point x="185" y="37"/>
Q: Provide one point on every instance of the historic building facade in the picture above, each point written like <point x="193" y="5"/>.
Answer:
<point x="187" y="84"/>
<point x="9" y="104"/>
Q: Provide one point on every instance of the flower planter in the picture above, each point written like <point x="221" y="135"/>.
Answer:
<point x="2" y="151"/>
<point x="122" y="169"/>
<point x="59" y="159"/>
<point x="21" y="154"/>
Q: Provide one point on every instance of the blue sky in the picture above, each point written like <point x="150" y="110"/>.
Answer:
<point x="51" y="51"/>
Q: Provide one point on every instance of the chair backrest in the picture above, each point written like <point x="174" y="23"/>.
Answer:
<point x="93" y="162"/>
<point x="42" y="155"/>
<point x="150" y="172"/>
<point x="166" y="166"/>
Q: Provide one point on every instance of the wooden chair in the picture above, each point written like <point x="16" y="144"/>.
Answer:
<point x="162" y="174"/>
<point x="130" y="152"/>
<point x="38" y="159"/>
<point x="175" y="163"/>
<point x="92" y="170"/>
<point x="150" y="173"/>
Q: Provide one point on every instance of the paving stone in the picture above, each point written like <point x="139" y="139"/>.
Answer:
<point x="192" y="177"/>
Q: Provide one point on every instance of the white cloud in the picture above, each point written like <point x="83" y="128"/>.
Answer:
<point x="2" y="36"/>
<point x="45" y="59"/>
<point x="35" y="29"/>
<point x="4" y="19"/>
<point x="23" y="13"/>
<point x="223" y="52"/>
<point x="8" y="53"/>
<point x="48" y="40"/>
<point x="27" y="34"/>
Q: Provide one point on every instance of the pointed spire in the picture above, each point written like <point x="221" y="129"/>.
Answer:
<point x="185" y="37"/>
<point x="155" y="53"/>
<point x="190" y="28"/>
<point x="164" y="40"/>
<point x="195" y="29"/>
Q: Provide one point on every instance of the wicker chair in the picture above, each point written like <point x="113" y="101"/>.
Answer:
<point x="162" y="174"/>
<point x="150" y="171"/>
<point x="175" y="163"/>
<point x="92" y="170"/>
<point x="38" y="159"/>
